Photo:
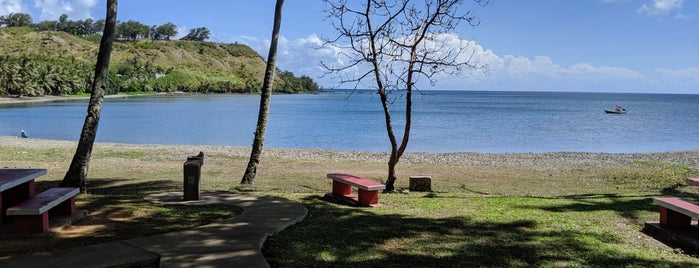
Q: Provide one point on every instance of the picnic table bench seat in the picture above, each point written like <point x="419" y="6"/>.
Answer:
<point x="367" y="190"/>
<point x="16" y="185"/>
<point x="693" y="181"/>
<point x="676" y="212"/>
<point x="32" y="215"/>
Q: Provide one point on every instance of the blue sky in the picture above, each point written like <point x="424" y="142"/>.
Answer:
<point x="536" y="45"/>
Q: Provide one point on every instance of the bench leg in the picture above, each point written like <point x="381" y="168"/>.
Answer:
<point x="674" y="219"/>
<point x="366" y="198"/>
<point x="15" y="196"/>
<point x="64" y="208"/>
<point x="341" y="189"/>
<point x="2" y="210"/>
<point x="31" y="224"/>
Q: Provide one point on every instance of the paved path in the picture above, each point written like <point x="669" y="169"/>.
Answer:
<point x="234" y="242"/>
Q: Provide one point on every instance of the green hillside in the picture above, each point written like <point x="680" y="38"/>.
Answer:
<point x="32" y="62"/>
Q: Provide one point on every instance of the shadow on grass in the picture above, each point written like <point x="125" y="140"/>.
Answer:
<point x="125" y="186"/>
<point x="117" y="212"/>
<point x="338" y="236"/>
<point x="625" y="206"/>
<point x="683" y="191"/>
<point x="105" y="191"/>
<point x="119" y="186"/>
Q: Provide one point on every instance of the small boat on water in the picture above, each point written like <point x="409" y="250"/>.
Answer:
<point x="617" y="110"/>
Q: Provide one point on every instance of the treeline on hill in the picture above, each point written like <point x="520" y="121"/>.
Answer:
<point x="139" y="65"/>
<point x="132" y="30"/>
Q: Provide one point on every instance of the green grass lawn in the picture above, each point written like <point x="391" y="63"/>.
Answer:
<point x="479" y="215"/>
<point x="461" y="230"/>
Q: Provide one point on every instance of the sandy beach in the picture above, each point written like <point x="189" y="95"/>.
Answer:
<point x="20" y="100"/>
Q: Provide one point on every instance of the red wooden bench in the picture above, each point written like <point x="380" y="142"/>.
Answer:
<point x="32" y="215"/>
<point x="693" y="181"/>
<point x="367" y="190"/>
<point x="675" y="212"/>
<point x="16" y="185"/>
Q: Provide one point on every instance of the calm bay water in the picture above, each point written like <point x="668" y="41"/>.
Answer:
<point x="443" y="121"/>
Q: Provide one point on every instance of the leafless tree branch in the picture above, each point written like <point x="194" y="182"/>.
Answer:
<point x="392" y="44"/>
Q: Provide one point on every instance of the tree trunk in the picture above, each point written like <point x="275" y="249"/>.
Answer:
<point x="397" y="152"/>
<point x="384" y="45"/>
<point x="77" y="172"/>
<point x="393" y="158"/>
<point x="258" y="142"/>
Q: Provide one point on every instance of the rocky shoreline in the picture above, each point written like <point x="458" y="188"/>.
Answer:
<point x="541" y="161"/>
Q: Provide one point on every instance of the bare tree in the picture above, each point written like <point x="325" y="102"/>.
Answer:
<point x="390" y="45"/>
<point x="259" y="140"/>
<point x="77" y="172"/>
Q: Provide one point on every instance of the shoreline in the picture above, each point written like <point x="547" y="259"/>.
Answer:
<point x="43" y="99"/>
<point x="23" y="100"/>
<point x="49" y="98"/>
<point x="548" y="160"/>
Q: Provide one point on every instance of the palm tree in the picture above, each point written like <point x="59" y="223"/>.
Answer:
<point x="47" y="79"/>
<point x="28" y="72"/>
<point x="77" y="172"/>
<point x="14" y="78"/>
<point x="4" y="74"/>
<point x="258" y="142"/>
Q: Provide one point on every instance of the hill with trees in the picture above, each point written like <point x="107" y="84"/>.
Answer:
<point x="36" y="60"/>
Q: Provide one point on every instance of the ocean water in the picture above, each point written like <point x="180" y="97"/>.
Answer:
<point x="443" y="121"/>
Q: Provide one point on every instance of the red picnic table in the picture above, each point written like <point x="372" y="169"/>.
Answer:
<point x="16" y="185"/>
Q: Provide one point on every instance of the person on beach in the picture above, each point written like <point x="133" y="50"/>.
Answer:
<point x="24" y="134"/>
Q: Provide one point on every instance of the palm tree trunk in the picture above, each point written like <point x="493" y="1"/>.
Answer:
<point x="77" y="172"/>
<point x="258" y="142"/>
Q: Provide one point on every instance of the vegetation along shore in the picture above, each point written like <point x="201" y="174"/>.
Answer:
<point x="569" y="209"/>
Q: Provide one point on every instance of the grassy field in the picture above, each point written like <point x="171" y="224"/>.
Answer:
<point x="478" y="215"/>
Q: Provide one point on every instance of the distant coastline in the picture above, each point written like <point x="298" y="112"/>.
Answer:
<point x="41" y="99"/>
<point x="19" y="100"/>
<point x="48" y="98"/>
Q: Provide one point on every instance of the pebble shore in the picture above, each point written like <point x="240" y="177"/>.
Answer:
<point x="688" y="158"/>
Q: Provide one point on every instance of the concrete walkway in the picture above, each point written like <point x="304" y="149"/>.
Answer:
<point x="234" y="242"/>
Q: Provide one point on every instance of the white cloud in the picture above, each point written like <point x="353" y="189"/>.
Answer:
<point x="75" y="9"/>
<point x="543" y="74"/>
<point x="686" y="80"/>
<point x="661" y="8"/>
<point x="11" y="6"/>
<point x="181" y="32"/>
<point x="502" y="72"/>
<point x="302" y="56"/>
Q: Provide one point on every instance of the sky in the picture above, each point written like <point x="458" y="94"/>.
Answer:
<point x="637" y="46"/>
